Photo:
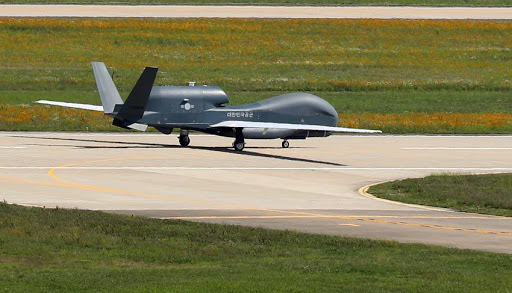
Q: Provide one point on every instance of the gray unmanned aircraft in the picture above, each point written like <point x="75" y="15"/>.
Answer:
<point x="203" y="108"/>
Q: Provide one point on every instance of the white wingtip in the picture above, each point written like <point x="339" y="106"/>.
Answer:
<point x="72" y="105"/>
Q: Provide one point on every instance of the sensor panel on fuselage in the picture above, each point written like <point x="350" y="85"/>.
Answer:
<point x="178" y="104"/>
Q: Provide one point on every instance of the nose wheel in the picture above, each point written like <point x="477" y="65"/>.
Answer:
<point x="184" y="138"/>
<point x="239" y="143"/>
<point x="285" y="144"/>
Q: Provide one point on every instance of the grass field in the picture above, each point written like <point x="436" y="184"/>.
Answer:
<point x="277" y="2"/>
<point x="72" y="250"/>
<point x="487" y="194"/>
<point x="360" y="66"/>
<point x="260" y="55"/>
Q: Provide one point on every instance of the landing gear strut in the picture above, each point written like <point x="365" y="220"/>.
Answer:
<point x="285" y="144"/>
<point x="183" y="138"/>
<point x="239" y="143"/>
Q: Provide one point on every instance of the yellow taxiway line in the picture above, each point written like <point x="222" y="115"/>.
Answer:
<point x="61" y="182"/>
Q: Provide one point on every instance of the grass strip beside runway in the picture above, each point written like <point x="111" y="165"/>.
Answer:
<point x="259" y="54"/>
<point x="71" y="250"/>
<point x="401" y="68"/>
<point x="485" y="194"/>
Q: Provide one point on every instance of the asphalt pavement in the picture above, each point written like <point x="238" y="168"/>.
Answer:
<point x="315" y="186"/>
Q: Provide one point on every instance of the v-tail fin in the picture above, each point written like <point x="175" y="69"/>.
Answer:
<point x="126" y="115"/>
<point x="133" y="108"/>
<point x="106" y="88"/>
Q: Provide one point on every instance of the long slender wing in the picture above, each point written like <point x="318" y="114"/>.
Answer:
<point x="72" y="105"/>
<point x="250" y="124"/>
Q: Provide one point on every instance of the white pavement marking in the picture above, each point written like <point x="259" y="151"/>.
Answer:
<point x="456" y="148"/>
<point x="186" y="11"/>
<point x="441" y="135"/>
<point x="483" y="169"/>
<point x="13" y="147"/>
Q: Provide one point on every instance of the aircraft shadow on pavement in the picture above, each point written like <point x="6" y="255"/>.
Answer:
<point x="135" y="145"/>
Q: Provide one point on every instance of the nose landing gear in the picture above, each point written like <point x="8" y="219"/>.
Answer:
<point x="184" y="138"/>
<point x="285" y="144"/>
<point x="239" y="143"/>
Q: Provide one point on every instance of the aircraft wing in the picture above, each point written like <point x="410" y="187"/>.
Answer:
<point x="72" y="105"/>
<point x="251" y="124"/>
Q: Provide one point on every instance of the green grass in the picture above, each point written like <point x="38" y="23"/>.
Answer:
<point x="359" y="66"/>
<point x="260" y="55"/>
<point x="278" y="2"/>
<point x="486" y="194"/>
<point x="71" y="250"/>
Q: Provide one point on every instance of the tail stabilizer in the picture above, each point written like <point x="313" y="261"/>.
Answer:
<point x="106" y="88"/>
<point x="133" y="108"/>
<point x="129" y="125"/>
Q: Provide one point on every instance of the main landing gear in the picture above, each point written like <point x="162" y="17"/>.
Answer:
<point x="239" y="143"/>
<point x="183" y="138"/>
<point x="239" y="146"/>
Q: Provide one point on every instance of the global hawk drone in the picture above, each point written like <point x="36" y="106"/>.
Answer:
<point x="204" y="108"/>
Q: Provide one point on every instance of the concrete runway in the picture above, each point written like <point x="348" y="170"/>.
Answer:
<point x="188" y="11"/>
<point x="312" y="186"/>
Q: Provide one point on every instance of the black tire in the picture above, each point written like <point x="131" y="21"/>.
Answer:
<point x="239" y="146"/>
<point x="184" y="141"/>
<point x="285" y="144"/>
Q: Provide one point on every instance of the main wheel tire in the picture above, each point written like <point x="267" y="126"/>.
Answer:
<point x="239" y="146"/>
<point x="184" y="141"/>
<point x="285" y="144"/>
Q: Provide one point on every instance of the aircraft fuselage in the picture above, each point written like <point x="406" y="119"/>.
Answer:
<point x="197" y="107"/>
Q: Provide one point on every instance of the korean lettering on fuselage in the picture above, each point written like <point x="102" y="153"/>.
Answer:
<point x="239" y="114"/>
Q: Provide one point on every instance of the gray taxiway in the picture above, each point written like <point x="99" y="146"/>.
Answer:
<point x="313" y="186"/>
<point x="190" y="11"/>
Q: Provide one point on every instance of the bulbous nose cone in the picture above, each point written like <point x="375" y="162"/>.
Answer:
<point x="295" y="108"/>
<point x="331" y="112"/>
<point x="316" y="107"/>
